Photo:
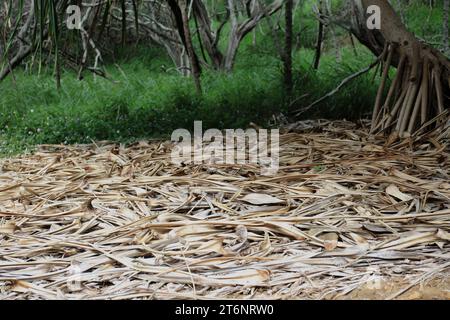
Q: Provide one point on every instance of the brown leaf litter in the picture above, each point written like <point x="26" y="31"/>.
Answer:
<point x="345" y="217"/>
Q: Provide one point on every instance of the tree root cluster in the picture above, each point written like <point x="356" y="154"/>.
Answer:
<point x="417" y="99"/>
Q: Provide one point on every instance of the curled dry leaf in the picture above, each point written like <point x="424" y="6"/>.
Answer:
<point x="395" y="192"/>
<point x="442" y="234"/>
<point x="261" y="199"/>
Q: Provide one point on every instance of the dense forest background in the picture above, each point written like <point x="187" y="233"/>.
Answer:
<point x="129" y="86"/>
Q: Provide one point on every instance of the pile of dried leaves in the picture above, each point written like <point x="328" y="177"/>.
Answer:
<point x="105" y="221"/>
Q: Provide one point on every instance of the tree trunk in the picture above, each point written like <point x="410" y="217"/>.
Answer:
<point x="419" y="94"/>
<point x="190" y="48"/>
<point x="180" y="12"/>
<point x="319" y="41"/>
<point x="207" y="36"/>
<point x="238" y="29"/>
<point x="234" y="38"/>
<point x="25" y="49"/>
<point x="288" y="48"/>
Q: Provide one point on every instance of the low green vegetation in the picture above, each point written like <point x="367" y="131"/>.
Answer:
<point x="145" y="97"/>
<point x="142" y="101"/>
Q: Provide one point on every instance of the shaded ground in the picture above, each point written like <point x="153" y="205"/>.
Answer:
<point x="344" y="218"/>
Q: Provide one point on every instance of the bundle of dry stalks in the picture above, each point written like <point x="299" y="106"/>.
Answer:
<point x="344" y="214"/>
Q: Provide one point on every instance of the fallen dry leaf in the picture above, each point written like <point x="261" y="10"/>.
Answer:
<point x="132" y="225"/>
<point x="7" y="228"/>
<point x="261" y="199"/>
<point x="395" y="192"/>
<point x="330" y="240"/>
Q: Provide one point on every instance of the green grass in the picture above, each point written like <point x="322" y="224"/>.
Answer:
<point x="425" y="22"/>
<point x="144" y="102"/>
<point x="140" y="103"/>
<point x="147" y="98"/>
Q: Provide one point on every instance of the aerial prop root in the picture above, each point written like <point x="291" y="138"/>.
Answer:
<point x="418" y="92"/>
